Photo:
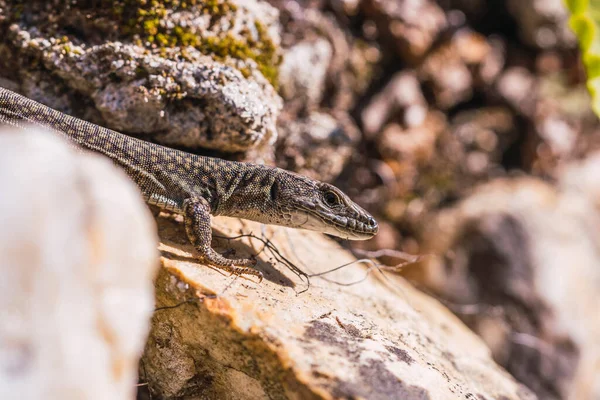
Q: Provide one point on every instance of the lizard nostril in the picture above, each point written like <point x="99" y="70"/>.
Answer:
<point x="371" y="222"/>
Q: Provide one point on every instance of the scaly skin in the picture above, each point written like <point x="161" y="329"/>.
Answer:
<point x="198" y="186"/>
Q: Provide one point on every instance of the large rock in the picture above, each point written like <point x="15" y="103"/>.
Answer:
<point x="78" y="253"/>
<point x="217" y="336"/>
<point x="189" y="75"/>
<point x="518" y="259"/>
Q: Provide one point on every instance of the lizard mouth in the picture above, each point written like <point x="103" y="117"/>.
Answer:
<point x="354" y="229"/>
<point x="340" y="226"/>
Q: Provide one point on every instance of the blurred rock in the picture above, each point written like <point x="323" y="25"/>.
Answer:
<point x="401" y="98"/>
<point x="484" y="133"/>
<point x="220" y="337"/>
<point x="543" y="23"/>
<point x="416" y="142"/>
<point x="436" y="160"/>
<point x="78" y="250"/>
<point x="448" y="76"/>
<point x="565" y="128"/>
<point x="318" y="146"/>
<point x="408" y="27"/>
<point x="303" y="72"/>
<point x="484" y="56"/>
<point x="518" y="87"/>
<point x="453" y="69"/>
<point x="518" y="260"/>
<point x="352" y="79"/>
<point x="560" y="123"/>
<point x="208" y="93"/>
<point x="581" y="178"/>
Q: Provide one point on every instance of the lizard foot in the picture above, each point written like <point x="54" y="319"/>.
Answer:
<point x="197" y="226"/>
<point x="239" y="267"/>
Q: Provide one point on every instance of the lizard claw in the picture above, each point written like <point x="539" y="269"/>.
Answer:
<point x="239" y="271"/>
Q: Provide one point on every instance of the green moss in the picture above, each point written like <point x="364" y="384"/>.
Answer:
<point x="142" y="20"/>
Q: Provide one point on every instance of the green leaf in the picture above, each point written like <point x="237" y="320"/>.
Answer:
<point x="585" y="22"/>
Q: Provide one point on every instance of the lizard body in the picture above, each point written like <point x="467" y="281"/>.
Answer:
<point x="198" y="186"/>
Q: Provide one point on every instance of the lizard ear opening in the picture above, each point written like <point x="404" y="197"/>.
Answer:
<point x="274" y="190"/>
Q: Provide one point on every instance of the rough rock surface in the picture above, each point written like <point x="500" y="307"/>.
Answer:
<point x="76" y="290"/>
<point x="521" y="268"/>
<point x="217" y="336"/>
<point x="199" y="93"/>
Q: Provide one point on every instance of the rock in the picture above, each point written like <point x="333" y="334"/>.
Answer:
<point x="409" y="26"/>
<point x="519" y="261"/>
<point x="304" y="70"/>
<point x="78" y="250"/>
<point x="321" y="55"/>
<point x="402" y="95"/>
<point x="454" y="68"/>
<point x="485" y="57"/>
<point x="318" y="146"/>
<point x="353" y="63"/>
<point x="564" y="125"/>
<point x="518" y="87"/>
<point x="448" y="76"/>
<point x="217" y="336"/>
<point x="195" y="80"/>
<point x="415" y="143"/>
<point x="581" y="178"/>
<point x="561" y="122"/>
<point x="543" y="23"/>
<point x="485" y="133"/>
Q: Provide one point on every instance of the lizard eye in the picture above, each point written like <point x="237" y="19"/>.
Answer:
<point x="331" y="199"/>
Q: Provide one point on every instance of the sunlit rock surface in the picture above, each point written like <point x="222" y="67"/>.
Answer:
<point x="78" y="253"/>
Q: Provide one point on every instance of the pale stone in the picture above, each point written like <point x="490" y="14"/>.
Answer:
<point x="77" y="257"/>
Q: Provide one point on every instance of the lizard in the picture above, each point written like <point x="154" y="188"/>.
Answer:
<point x="198" y="186"/>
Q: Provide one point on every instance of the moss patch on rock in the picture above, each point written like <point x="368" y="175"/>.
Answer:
<point x="150" y="23"/>
<point x="141" y="19"/>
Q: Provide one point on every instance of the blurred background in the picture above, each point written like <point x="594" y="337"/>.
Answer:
<point x="464" y="126"/>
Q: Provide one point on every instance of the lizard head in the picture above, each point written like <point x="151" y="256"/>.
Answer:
<point x="319" y="206"/>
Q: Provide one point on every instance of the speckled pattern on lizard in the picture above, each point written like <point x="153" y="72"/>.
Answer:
<point x="198" y="187"/>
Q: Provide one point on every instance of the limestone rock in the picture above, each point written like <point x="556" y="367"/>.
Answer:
<point x="78" y="253"/>
<point x="216" y="336"/>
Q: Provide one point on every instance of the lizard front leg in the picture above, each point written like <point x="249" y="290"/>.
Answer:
<point x="196" y="212"/>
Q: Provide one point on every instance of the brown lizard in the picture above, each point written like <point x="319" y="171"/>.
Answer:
<point x="198" y="186"/>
